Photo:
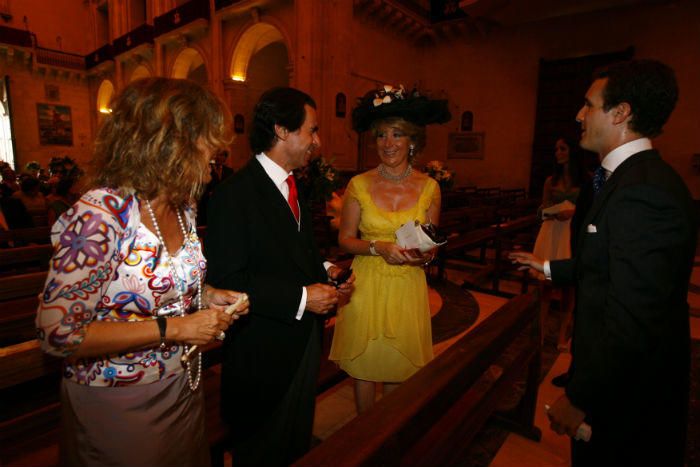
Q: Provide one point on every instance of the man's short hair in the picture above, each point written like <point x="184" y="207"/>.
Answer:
<point x="648" y="86"/>
<point x="277" y="106"/>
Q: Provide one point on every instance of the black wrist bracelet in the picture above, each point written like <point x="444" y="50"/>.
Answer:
<point x="162" y="326"/>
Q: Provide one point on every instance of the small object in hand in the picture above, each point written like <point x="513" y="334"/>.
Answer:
<point x="434" y="233"/>
<point x="342" y="277"/>
<point x="234" y="308"/>
<point x="583" y="432"/>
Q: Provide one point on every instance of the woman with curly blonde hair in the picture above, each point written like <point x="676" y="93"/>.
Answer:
<point x="125" y="295"/>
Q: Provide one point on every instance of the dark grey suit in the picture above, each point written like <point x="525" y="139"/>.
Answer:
<point x="631" y="359"/>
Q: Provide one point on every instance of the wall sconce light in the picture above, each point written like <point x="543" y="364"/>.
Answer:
<point x="340" y="105"/>
<point x="105" y="110"/>
<point x="467" y="121"/>
<point x="238" y="124"/>
<point x="238" y="78"/>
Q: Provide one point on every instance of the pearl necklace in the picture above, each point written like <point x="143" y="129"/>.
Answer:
<point x="180" y="288"/>
<point x="394" y="178"/>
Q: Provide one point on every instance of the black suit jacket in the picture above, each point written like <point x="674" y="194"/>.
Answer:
<point x="253" y="245"/>
<point x="631" y="359"/>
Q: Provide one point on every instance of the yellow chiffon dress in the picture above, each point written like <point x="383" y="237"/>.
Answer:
<point x="383" y="333"/>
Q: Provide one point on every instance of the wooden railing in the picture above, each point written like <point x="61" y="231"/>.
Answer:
<point x="431" y="418"/>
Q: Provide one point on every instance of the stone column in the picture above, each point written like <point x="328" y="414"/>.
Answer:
<point x="215" y="36"/>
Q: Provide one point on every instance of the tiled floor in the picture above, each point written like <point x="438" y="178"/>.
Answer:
<point x="336" y="407"/>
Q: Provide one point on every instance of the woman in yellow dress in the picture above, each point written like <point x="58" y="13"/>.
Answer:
<point x="383" y="334"/>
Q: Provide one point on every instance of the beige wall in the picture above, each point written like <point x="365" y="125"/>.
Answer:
<point x="497" y="79"/>
<point x="26" y="90"/>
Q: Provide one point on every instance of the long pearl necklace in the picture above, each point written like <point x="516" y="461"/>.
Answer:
<point x="180" y="288"/>
<point x="394" y="178"/>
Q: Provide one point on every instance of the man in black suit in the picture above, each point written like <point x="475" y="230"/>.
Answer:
<point x="630" y="376"/>
<point x="260" y="238"/>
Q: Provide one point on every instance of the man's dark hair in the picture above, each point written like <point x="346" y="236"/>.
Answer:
<point x="277" y="106"/>
<point x="648" y="86"/>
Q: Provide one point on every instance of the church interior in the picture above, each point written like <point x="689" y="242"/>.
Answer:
<point x="514" y="74"/>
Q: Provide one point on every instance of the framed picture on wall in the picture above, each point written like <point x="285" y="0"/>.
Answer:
<point x="55" y="125"/>
<point x="465" y="145"/>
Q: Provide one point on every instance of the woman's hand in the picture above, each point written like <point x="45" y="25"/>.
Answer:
<point x="565" y="215"/>
<point x="198" y="328"/>
<point x="222" y="298"/>
<point x="394" y="254"/>
<point x="417" y="258"/>
<point x="346" y="288"/>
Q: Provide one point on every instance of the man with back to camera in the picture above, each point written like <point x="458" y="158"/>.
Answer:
<point x="631" y="361"/>
<point x="260" y="237"/>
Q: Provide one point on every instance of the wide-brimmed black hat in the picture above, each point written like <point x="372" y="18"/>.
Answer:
<point x="396" y="102"/>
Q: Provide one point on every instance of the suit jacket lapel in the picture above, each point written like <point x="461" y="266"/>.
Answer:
<point x="279" y="216"/>
<point x="611" y="184"/>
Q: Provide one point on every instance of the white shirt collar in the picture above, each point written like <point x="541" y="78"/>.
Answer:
<point x="275" y="172"/>
<point x="621" y="153"/>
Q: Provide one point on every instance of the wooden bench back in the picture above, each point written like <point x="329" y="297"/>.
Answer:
<point x="433" y="415"/>
<point x="25" y="236"/>
<point x="25" y="256"/>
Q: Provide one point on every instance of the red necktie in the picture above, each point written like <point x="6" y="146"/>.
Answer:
<point x="292" y="198"/>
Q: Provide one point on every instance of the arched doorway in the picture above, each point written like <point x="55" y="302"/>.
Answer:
<point x="140" y="72"/>
<point x="190" y="64"/>
<point x="104" y="97"/>
<point x="260" y="61"/>
<point x="254" y="40"/>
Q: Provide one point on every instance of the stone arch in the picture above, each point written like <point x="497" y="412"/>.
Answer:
<point x="104" y="96"/>
<point x="255" y="38"/>
<point x="139" y="72"/>
<point x="190" y="64"/>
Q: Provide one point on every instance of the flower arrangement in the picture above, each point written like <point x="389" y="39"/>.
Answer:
<point x="320" y="179"/>
<point x="440" y="173"/>
<point x="389" y="94"/>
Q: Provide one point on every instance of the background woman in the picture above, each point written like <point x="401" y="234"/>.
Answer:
<point x="554" y="238"/>
<point x="125" y="281"/>
<point x="383" y="334"/>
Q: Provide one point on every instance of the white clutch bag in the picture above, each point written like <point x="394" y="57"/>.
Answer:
<point x="423" y="237"/>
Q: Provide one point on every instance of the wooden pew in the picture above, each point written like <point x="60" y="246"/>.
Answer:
<point x="30" y="390"/>
<point x="25" y="258"/>
<point x="508" y="236"/>
<point x="17" y="237"/>
<point x="431" y="418"/>
<point x="18" y="304"/>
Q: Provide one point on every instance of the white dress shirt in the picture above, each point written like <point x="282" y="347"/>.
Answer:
<point x="279" y="177"/>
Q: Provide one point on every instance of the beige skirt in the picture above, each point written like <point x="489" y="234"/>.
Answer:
<point x="158" y="424"/>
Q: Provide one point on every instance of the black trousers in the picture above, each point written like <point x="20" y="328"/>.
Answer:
<point x="286" y="435"/>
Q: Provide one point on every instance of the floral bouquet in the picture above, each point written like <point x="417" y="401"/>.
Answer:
<point x="388" y="94"/>
<point x="320" y="179"/>
<point x="444" y="177"/>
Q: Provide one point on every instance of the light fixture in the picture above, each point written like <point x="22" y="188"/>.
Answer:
<point x="105" y="110"/>
<point x="239" y="78"/>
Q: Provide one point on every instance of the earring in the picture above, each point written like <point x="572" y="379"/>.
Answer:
<point x="411" y="151"/>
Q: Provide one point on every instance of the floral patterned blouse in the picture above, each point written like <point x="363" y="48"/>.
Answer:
<point x="108" y="266"/>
